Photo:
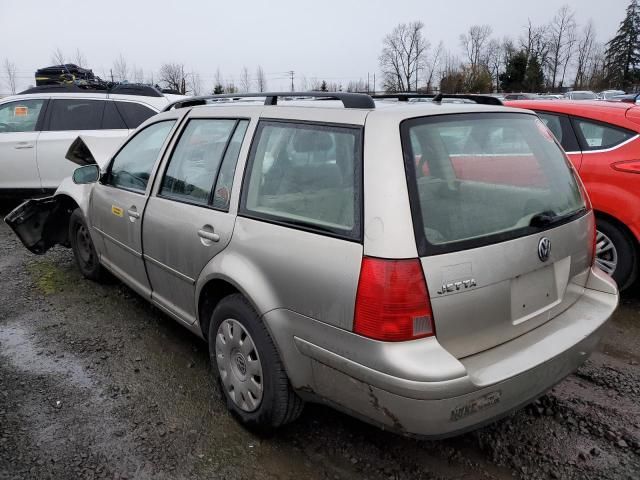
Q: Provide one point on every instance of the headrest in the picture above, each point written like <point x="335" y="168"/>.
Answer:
<point x="312" y="141"/>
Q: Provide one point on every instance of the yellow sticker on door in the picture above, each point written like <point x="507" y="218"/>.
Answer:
<point x="117" y="211"/>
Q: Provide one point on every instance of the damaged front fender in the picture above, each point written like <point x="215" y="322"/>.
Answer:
<point x="41" y="223"/>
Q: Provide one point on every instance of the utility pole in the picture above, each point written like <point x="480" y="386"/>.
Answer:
<point x="292" y="74"/>
<point x="111" y="71"/>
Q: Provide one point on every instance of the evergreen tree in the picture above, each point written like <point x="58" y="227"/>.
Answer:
<point x="512" y="80"/>
<point x="623" y="50"/>
<point x="534" y="77"/>
<point x="323" y="86"/>
<point x="218" y="89"/>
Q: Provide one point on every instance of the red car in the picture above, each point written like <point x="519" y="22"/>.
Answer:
<point x="602" y="140"/>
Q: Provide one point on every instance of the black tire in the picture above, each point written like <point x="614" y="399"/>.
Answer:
<point x="279" y="404"/>
<point x="83" y="249"/>
<point x="626" y="270"/>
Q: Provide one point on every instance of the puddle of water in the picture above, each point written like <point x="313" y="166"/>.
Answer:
<point x="17" y="345"/>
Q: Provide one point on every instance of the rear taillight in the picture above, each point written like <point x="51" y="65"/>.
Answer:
<point x="392" y="303"/>
<point x="629" y="166"/>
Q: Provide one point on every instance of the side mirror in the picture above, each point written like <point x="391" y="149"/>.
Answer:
<point x="86" y="174"/>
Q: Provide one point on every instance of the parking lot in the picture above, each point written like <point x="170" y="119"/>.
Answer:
<point x="96" y="383"/>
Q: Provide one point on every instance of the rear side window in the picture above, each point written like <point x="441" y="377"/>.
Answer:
<point x="76" y="115"/>
<point x="111" y="120"/>
<point x="600" y="136"/>
<point x="132" y="166"/>
<point x="134" y="113"/>
<point x="307" y="176"/>
<point x="196" y="160"/>
<point x="20" y="116"/>
<point x="481" y="178"/>
<point x="561" y="128"/>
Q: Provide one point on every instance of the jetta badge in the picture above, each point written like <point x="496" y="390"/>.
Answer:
<point x="544" y="249"/>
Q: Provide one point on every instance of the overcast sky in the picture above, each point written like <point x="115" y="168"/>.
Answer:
<point x="335" y="40"/>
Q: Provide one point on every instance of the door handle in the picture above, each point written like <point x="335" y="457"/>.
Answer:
<point x="207" y="235"/>
<point x="133" y="214"/>
<point x="22" y="146"/>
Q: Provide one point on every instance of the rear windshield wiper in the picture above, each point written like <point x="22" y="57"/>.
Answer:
<point x="549" y="217"/>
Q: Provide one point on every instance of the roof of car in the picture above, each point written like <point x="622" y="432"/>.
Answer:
<point x="623" y="114"/>
<point x="572" y="106"/>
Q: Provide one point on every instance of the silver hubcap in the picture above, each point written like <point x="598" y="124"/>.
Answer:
<point x="84" y="245"/>
<point x="239" y="365"/>
<point x="606" y="253"/>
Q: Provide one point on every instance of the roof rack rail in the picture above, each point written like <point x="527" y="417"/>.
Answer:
<point x="437" y="98"/>
<point x="119" y="89"/>
<point x="349" y="100"/>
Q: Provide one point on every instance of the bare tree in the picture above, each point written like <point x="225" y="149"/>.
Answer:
<point x="173" y="76"/>
<point x="137" y="74"/>
<point x="194" y="84"/>
<point x="303" y="84"/>
<point x="261" y="79"/>
<point x="358" y="86"/>
<point x="562" y="39"/>
<point x="475" y="43"/>
<point x="219" y="82"/>
<point x="57" y="57"/>
<point x="245" y="80"/>
<point x="584" y="50"/>
<point x="433" y="65"/>
<point x="403" y="56"/>
<point x="536" y="43"/>
<point x="120" y="69"/>
<point x="10" y="72"/>
<point x="79" y="59"/>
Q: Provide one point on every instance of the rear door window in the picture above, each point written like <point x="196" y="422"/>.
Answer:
<point x="196" y="160"/>
<point x="77" y="114"/>
<point x="600" y="136"/>
<point x="477" y="179"/>
<point x="134" y="113"/>
<point x="307" y="176"/>
<point x="111" y="120"/>
<point x="560" y="126"/>
<point x="20" y="116"/>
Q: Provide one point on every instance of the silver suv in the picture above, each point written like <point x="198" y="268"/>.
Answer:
<point x="427" y="267"/>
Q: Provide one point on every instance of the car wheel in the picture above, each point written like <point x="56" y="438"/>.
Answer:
<point x="248" y="368"/>
<point x="83" y="248"/>
<point x="616" y="253"/>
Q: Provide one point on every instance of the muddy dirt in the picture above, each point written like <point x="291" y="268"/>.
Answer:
<point x="96" y="383"/>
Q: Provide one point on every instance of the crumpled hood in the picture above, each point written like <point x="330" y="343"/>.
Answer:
<point x="87" y="150"/>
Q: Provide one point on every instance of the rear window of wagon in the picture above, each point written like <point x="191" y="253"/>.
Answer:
<point x="479" y="178"/>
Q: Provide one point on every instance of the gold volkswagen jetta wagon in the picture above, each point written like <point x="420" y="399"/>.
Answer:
<point x="426" y="266"/>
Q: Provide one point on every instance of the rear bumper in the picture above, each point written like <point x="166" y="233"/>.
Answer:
<point x="417" y="388"/>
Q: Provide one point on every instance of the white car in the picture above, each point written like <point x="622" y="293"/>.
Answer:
<point x="38" y="126"/>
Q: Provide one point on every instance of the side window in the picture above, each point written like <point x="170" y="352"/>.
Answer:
<point x="196" y="160"/>
<point x="111" y="120"/>
<point x="305" y="175"/>
<point x="598" y="136"/>
<point x="76" y="115"/>
<point x="134" y="113"/>
<point x="561" y="128"/>
<point x="132" y="166"/>
<point x="228" y="168"/>
<point x="20" y="116"/>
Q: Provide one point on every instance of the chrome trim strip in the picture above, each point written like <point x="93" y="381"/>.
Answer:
<point x="173" y="272"/>
<point x="605" y="150"/>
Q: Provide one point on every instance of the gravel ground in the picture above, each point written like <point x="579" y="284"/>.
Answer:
<point x="96" y="383"/>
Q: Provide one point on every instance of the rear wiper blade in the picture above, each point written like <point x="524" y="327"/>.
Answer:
<point x="549" y="217"/>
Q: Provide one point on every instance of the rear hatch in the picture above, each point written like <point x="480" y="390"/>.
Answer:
<point x="502" y="225"/>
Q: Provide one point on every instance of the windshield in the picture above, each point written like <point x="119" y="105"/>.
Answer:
<point x="485" y="177"/>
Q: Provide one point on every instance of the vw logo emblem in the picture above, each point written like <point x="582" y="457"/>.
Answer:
<point x="544" y="249"/>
